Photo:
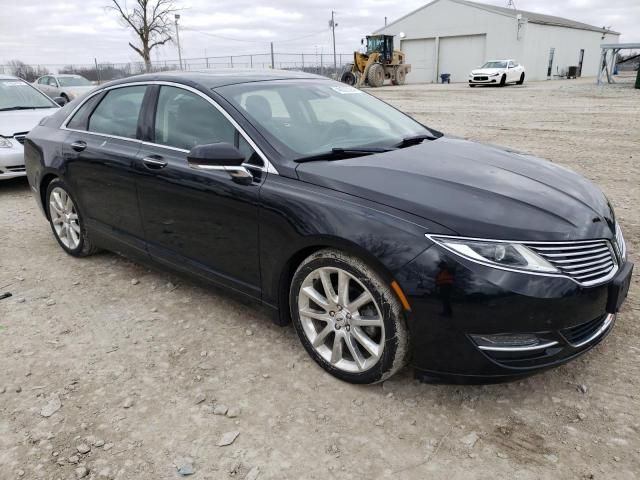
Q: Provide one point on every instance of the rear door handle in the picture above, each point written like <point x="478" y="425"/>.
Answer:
<point x="154" y="162"/>
<point x="79" y="145"/>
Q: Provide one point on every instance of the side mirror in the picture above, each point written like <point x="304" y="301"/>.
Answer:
<point x="60" y="101"/>
<point x="220" y="156"/>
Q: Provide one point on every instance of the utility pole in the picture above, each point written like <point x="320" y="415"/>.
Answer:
<point x="177" y="17"/>
<point x="272" y="58"/>
<point x="333" y="25"/>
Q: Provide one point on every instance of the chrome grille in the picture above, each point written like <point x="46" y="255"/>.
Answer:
<point x="20" y="137"/>
<point x="587" y="262"/>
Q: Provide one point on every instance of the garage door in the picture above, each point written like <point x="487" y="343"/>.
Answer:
<point x="420" y="54"/>
<point x="460" y="55"/>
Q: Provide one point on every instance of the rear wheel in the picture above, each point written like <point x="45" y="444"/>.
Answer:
<point x="400" y="76"/>
<point x="375" y="75"/>
<point x="66" y="222"/>
<point x="521" y="81"/>
<point x="347" y="318"/>
<point x="503" y="81"/>
<point x="349" y="78"/>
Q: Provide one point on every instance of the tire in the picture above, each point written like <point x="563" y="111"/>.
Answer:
<point x="375" y="75"/>
<point x="349" y="78"/>
<point x="332" y="328"/>
<point x="471" y="85"/>
<point x="66" y="221"/>
<point x="400" y="77"/>
<point x="521" y="81"/>
<point x="66" y="98"/>
<point x="503" y="81"/>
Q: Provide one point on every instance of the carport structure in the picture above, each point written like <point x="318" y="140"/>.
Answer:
<point x="608" y="59"/>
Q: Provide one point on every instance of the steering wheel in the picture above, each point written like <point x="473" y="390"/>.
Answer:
<point x="339" y="128"/>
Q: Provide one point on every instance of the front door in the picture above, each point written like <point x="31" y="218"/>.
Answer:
<point x="200" y="221"/>
<point x="101" y="150"/>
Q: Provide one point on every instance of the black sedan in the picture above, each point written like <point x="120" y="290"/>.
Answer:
<point x="382" y="240"/>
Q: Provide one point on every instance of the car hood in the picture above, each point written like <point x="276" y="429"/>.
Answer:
<point x="475" y="190"/>
<point x="18" y="121"/>
<point x="487" y="71"/>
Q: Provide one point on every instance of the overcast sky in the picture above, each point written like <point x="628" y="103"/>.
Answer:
<point x="77" y="31"/>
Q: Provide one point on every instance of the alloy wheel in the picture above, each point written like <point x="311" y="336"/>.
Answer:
<point x="341" y="319"/>
<point x="64" y="218"/>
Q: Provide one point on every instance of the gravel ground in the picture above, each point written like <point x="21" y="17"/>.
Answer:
<point x="112" y="370"/>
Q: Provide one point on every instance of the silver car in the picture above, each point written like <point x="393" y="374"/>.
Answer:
<point x="21" y="108"/>
<point x="65" y="86"/>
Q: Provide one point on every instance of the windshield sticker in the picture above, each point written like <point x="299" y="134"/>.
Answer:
<point x="345" y="90"/>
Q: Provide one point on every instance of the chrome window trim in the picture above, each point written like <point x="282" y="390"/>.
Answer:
<point x="597" y="282"/>
<point x="268" y="166"/>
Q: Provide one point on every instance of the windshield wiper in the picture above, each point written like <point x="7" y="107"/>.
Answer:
<point x="20" y="107"/>
<point x="415" y="140"/>
<point x="343" y="153"/>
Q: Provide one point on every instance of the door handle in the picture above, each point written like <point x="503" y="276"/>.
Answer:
<point x="79" y="145"/>
<point x="154" y="162"/>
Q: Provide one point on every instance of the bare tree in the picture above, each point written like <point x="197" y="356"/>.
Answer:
<point x="151" y="22"/>
<point x="27" y="72"/>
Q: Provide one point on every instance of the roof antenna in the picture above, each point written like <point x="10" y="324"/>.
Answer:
<point x="511" y="4"/>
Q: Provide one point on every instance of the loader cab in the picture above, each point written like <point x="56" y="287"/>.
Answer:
<point x="382" y="44"/>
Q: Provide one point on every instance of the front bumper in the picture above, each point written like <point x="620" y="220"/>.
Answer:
<point x="12" y="161"/>
<point x="483" y="80"/>
<point x="479" y="302"/>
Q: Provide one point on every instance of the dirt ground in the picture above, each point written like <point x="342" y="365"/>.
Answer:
<point x="132" y="363"/>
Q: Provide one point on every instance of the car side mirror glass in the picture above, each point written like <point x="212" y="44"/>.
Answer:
<point x="60" y="101"/>
<point x="214" y="155"/>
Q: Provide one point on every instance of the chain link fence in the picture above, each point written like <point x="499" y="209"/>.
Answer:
<point x="99" y="72"/>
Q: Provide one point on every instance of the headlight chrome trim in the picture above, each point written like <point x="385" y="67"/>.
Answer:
<point x="559" y="274"/>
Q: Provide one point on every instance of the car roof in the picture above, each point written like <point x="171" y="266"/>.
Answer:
<point x="213" y="78"/>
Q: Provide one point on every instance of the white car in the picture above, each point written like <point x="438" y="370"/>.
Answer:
<point x="65" y="86"/>
<point x="497" y="72"/>
<point x="21" y="108"/>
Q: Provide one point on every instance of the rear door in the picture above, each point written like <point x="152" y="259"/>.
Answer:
<point x="199" y="221"/>
<point x="100" y="152"/>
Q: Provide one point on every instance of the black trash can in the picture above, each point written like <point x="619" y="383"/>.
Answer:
<point x="572" y="72"/>
<point x="445" y="78"/>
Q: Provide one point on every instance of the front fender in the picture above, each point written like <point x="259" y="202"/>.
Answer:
<point x="298" y="217"/>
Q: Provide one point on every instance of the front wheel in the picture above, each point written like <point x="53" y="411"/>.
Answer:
<point x="66" y="223"/>
<point x="347" y="318"/>
<point x="503" y="81"/>
<point x="521" y="81"/>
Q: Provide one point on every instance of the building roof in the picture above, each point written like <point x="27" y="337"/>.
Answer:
<point x="532" y="17"/>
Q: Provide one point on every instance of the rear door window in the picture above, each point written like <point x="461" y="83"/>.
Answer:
<point x="118" y="112"/>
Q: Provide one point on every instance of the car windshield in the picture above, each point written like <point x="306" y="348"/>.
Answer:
<point x="495" y="65"/>
<point x="304" y="118"/>
<point x="16" y="95"/>
<point x="73" y="81"/>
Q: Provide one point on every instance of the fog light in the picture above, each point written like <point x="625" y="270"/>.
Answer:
<point x="511" y="342"/>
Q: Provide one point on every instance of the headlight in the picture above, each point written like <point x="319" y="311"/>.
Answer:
<point x="495" y="253"/>
<point x="622" y="246"/>
<point x="5" y="143"/>
<point x="494" y="74"/>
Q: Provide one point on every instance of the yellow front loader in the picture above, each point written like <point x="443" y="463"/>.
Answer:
<point x="380" y="63"/>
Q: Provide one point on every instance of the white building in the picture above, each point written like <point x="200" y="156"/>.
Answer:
<point x="455" y="36"/>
